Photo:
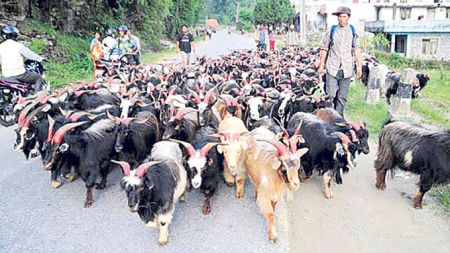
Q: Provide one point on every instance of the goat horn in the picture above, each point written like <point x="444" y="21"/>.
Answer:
<point x="142" y="169"/>
<point x="23" y="114"/>
<point x="196" y="96"/>
<point x="77" y="115"/>
<point x="205" y="149"/>
<point x="281" y="148"/>
<point x="51" y="123"/>
<point x="297" y="129"/>
<point x="208" y="95"/>
<point x="32" y="114"/>
<point x="189" y="148"/>
<point x="125" y="167"/>
<point x="59" y="134"/>
<point x="113" y="118"/>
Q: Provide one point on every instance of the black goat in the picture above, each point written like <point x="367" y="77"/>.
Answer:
<point x="418" y="149"/>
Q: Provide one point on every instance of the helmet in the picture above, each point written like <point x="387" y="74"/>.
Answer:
<point x="111" y="32"/>
<point x="9" y="32"/>
<point x="123" y="28"/>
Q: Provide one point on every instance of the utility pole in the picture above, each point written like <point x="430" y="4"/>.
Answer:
<point x="302" y="24"/>
<point x="238" y="6"/>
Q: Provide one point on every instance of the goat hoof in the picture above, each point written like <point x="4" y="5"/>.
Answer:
<point x="88" y="203"/>
<point x="328" y="194"/>
<point x="70" y="178"/>
<point x="206" y="210"/>
<point x="182" y="198"/>
<point x="229" y="184"/>
<point x="56" y="184"/>
<point x="163" y="242"/>
<point x="101" y="186"/>
<point x="239" y="195"/>
<point x="381" y="186"/>
<point x="273" y="239"/>
<point x="34" y="153"/>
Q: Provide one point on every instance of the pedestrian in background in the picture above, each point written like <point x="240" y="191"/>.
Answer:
<point x="261" y="37"/>
<point x="338" y="53"/>
<point x="185" y="44"/>
<point x="96" y="47"/>
<point x="292" y="37"/>
<point x="272" y="40"/>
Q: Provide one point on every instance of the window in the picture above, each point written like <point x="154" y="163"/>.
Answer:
<point x="429" y="46"/>
<point x="448" y="13"/>
<point x="431" y="13"/>
<point x="403" y="1"/>
<point x="405" y="13"/>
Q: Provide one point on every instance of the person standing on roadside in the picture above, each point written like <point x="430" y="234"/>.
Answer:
<point x="292" y="37"/>
<point x="96" y="47"/>
<point x="185" y="44"/>
<point x="338" y="53"/>
<point x="272" y="40"/>
<point x="137" y="42"/>
<point x="261" y="37"/>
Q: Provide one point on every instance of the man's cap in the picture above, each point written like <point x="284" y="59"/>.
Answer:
<point x="342" y="10"/>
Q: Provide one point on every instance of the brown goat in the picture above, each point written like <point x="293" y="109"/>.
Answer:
<point x="273" y="170"/>
<point x="232" y="132"/>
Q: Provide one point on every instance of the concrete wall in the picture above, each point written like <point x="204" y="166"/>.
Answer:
<point x="414" y="45"/>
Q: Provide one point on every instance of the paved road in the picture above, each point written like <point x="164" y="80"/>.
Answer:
<point x="360" y="218"/>
<point x="34" y="217"/>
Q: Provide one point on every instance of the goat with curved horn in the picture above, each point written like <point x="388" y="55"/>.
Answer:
<point x="142" y="169"/>
<point x="125" y="167"/>
<point x="59" y="134"/>
<point x="189" y="148"/>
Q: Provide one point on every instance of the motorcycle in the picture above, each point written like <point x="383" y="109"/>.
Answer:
<point x="117" y="65"/>
<point x="11" y="90"/>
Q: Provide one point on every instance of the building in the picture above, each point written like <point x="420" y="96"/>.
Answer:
<point x="319" y="18"/>
<point x="414" y="28"/>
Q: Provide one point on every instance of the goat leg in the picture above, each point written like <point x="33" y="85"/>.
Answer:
<point x="206" y="205"/>
<point x="90" y="193"/>
<point x="381" y="180"/>
<point x="240" y="181"/>
<point x="327" y="181"/>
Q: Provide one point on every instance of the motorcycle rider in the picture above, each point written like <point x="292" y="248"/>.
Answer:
<point x="12" y="54"/>
<point x="109" y="43"/>
<point x="126" y="44"/>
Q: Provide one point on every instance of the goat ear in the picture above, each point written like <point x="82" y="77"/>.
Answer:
<point x="220" y="149"/>
<point x="301" y="152"/>
<point x="276" y="164"/>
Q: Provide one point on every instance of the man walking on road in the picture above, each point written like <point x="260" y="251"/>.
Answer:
<point x="338" y="52"/>
<point x="185" y="44"/>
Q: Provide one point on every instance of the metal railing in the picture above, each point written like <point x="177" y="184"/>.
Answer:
<point x="408" y="26"/>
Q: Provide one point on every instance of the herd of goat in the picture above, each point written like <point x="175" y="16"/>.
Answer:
<point x="173" y="128"/>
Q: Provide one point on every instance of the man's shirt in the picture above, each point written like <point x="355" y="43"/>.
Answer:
<point x="341" y="55"/>
<point x="12" y="54"/>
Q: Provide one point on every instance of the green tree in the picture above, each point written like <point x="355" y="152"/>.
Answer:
<point x="274" y="11"/>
